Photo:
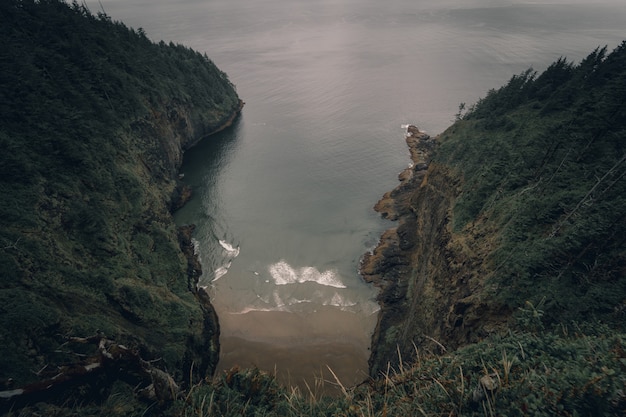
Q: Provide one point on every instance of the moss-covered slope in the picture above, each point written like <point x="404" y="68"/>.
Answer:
<point x="94" y="118"/>
<point x="521" y="209"/>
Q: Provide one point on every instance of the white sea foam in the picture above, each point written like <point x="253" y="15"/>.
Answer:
<point x="284" y="274"/>
<point x="221" y="271"/>
<point x="338" y="301"/>
<point x="265" y="299"/>
<point x="231" y="250"/>
<point x="406" y="129"/>
<point x="277" y="300"/>
<point x="295" y="301"/>
<point x="196" y="246"/>
<point x="251" y="309"/>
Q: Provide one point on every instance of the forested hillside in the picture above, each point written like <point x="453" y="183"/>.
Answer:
<point x="503" y="288"/>
<point x="93" y="121"/>
<point x="510" y="243"/>
<point x="543" y="167"/>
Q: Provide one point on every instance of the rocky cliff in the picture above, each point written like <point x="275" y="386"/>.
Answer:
<point x="510" y="219"/>
<point x="97" y="284"/>
<point x="429" y="277"/>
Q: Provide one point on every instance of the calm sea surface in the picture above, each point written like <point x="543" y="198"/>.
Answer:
<point x="283" y="199"/>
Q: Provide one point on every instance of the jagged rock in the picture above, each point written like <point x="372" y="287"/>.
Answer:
<point x="423" y="269"/>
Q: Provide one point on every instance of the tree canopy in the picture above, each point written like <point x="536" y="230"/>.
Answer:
<point x="543" y="161"/>
<point x="91" y="115"/>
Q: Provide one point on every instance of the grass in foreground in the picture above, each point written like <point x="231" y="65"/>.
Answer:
<point x="570" y="370"/>
<point x="566" y="371"/>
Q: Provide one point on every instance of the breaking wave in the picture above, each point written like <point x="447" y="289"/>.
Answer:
<point x="289" y="303"/>
<point x="230" y="250"/>
<point x="221" y="271"/>
<point x="230" y="253"/>
<point x="284" y="274"/>
<point x="339" y="301"/>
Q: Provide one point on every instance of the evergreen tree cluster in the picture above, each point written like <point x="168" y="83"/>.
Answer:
<point x="87" y="243"/>
<point x="543" y="161"/>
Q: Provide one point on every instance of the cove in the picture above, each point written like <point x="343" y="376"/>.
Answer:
<point x="285" y="285"/>
<point x="283" y="200"/>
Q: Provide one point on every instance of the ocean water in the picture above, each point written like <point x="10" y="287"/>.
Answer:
<point x="283" y="200"/>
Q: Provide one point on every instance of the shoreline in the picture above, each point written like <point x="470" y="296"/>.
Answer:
<point x="181" y="195"/>
<point x="223" y="124"/>
<point x="391" y="259"/>
<point x="297" y="347"/>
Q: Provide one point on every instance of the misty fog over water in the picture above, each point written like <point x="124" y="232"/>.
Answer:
<point x="283" y="200"/>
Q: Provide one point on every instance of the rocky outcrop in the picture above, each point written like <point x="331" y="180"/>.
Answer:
<point x="211" y="334"/>
<point x="430" y="279"/>
<point x="172" y="128"/>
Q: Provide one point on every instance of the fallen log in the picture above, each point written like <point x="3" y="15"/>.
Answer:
<point x="155" y="384"/>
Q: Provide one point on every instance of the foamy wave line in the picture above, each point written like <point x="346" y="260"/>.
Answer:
<point x="338" y="301"/>
<point x="284" y="274"/>
<point x="277" y="304"/>
<point x="255" y="309"/>
<point x="231" y="253"/>
<point x="221" y="271"/>
<point x="196" y="246"/>
<point x="231" y="250"/>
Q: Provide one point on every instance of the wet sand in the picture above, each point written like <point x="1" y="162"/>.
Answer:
<point x="299" y="346"/>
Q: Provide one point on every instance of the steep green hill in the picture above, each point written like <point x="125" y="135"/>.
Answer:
<point x="94" y="118"/>
<point x="503" y="287"/>
<point x="522" y="206"/>
<point x="543" y="164"/>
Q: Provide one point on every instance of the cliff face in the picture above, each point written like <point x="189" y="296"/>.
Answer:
<point x="170" y="129"/>
<point x="430" y="279"/>
<point x="160" y="139"/>
<point x="513" y="220"/>
<point x="95" y="121"/>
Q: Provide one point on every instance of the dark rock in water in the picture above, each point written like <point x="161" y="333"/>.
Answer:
<point x="181" y="195"/>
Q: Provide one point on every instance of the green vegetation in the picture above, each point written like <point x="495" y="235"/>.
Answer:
<point x="93" y="120"/>
<point x="543" y="162"/>
<point x="526" y="373"/>
<point x="565" y="372"/>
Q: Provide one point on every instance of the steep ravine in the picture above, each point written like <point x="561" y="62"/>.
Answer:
<point x="430" y="279"/>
